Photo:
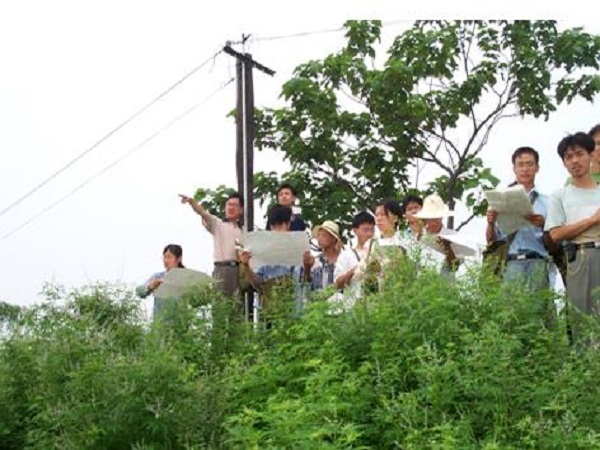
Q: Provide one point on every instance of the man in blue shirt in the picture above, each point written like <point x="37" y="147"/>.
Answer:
<point x="528" y="258"/>
<point x="275" y="280"/>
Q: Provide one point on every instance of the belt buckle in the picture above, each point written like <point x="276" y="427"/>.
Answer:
<point x="521" y="257"/>
<point x="597" y="244"/>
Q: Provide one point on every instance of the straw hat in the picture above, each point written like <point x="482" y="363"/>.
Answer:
<point x="433" y="208"/>
<point x="329" y="226"/>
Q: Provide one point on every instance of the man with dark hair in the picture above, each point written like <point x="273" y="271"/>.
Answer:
<point x="286" y="196"/>
<point x="363" y="227"/>
<point x="574" y="217"/>
<point x="225" y="234"/>
<point x="267" y="277"/>
<point x="595" y="164"/>
<point x="528" y="258"/>
<point x="411" y="205"/>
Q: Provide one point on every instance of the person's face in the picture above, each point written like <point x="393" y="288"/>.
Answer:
<point x="170" y="261"/>
<point x="325" y="240"/>
<point x="383" y="220"/>
<point x="577" y="161"/>
<point x="364" y="232"/>
<point x="281" y="227"/>
<point x="411" y="209"/>
<point x="596" y="153"/>
<point x="233" y="209"/>
<point x="525" y="168"/>
<point x="285" y="197"/>
<point x="432" y="226"/>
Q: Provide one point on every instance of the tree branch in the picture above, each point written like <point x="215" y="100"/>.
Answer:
<point x="465" y="222"/>
<point x="340" y="180"/>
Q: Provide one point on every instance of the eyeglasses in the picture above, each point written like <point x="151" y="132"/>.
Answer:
<point x="524" y="164"/>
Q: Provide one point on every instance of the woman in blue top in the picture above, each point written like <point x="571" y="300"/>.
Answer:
<point x="172" y="259"/>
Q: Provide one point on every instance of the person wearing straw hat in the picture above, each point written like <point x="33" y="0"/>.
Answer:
<point x="432" y="214"/>
<point x="319" y="270"/>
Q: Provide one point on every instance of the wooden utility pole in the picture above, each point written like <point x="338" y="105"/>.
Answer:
<point x="245" y="129"/>
<point x="244" y="120"/>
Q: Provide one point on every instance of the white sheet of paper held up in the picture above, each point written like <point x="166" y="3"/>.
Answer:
<point x="177" y="281"/>
<point x="276" y="248"/>
<point x="512" y="205"/>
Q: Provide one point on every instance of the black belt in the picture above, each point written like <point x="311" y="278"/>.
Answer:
<point x="588" y="245"/>
<point x="525" y="256"/>
<point x="227" y="263"/>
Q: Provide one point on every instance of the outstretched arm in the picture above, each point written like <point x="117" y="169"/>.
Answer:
<point x="197" y="207"/>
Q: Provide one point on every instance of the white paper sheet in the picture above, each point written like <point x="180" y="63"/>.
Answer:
<point x="460" y="246"/>
<point x="177" y="281"/>
<point x="512" y="205"/>
<point x="272" y="247"/>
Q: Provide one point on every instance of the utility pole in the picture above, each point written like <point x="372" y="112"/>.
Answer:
<point x="245" y="129"/>
<point x="244" y="120"/>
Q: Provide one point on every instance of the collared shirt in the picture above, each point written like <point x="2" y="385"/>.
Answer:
<point x="224" y="236"/>
<point x="296" y="273"/>
<point x="529" y="238"/>
<point x="322" y="273"/>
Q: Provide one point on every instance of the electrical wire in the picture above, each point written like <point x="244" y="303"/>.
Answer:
<point x="108" y="135"/>
<point x="119" y="160"/>
<point x="306" y="33"/>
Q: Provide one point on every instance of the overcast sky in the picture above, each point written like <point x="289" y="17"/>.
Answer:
<point x="70" y="71"/>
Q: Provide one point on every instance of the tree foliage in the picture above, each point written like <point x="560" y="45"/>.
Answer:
<point x="356" y="124"/>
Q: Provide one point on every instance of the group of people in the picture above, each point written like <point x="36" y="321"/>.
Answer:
<point x="566" y="223"/>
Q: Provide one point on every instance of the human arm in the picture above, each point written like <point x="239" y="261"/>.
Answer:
<point x="345" y="268"/>
<point x="248" y="275"/>
<point x="197" y="208"/>
<point x="149" y="286"/>
<point x="308" y="261"/>
<point x="572" y="230"/>
<point x="491" y="232"/>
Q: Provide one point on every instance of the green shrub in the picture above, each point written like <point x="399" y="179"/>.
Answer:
<point x="428" y="363"/>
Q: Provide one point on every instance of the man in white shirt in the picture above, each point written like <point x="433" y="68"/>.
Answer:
<point x="346" y="278"/>
<point x="574" y="218"/>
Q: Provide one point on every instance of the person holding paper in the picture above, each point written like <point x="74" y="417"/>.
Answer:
<point x="435" y="248"/>
<point x="528" y="258"/>
<point x="351" y="265"/>
<point x="268" y="276"/>
<point x="225" y="234"/>
<point x="172" y="258"/>
<point x="319" y="270"/>
<point x="384" y="249"/>
<point x="574" y="217"/>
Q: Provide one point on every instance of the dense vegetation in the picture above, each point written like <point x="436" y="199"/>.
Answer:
<point x="425" y="364"/>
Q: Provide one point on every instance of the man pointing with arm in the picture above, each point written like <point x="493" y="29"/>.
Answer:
<point x="225" y="233"/>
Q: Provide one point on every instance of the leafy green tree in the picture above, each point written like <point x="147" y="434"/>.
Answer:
<point x="355" y="125"/>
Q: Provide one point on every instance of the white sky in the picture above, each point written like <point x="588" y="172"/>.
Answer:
<point x="70" y="71"/>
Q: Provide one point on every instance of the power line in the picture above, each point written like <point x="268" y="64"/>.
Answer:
<point x="108" y="135"/>
<point x="306" y="33"/>
<point x="119" y="160"/>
